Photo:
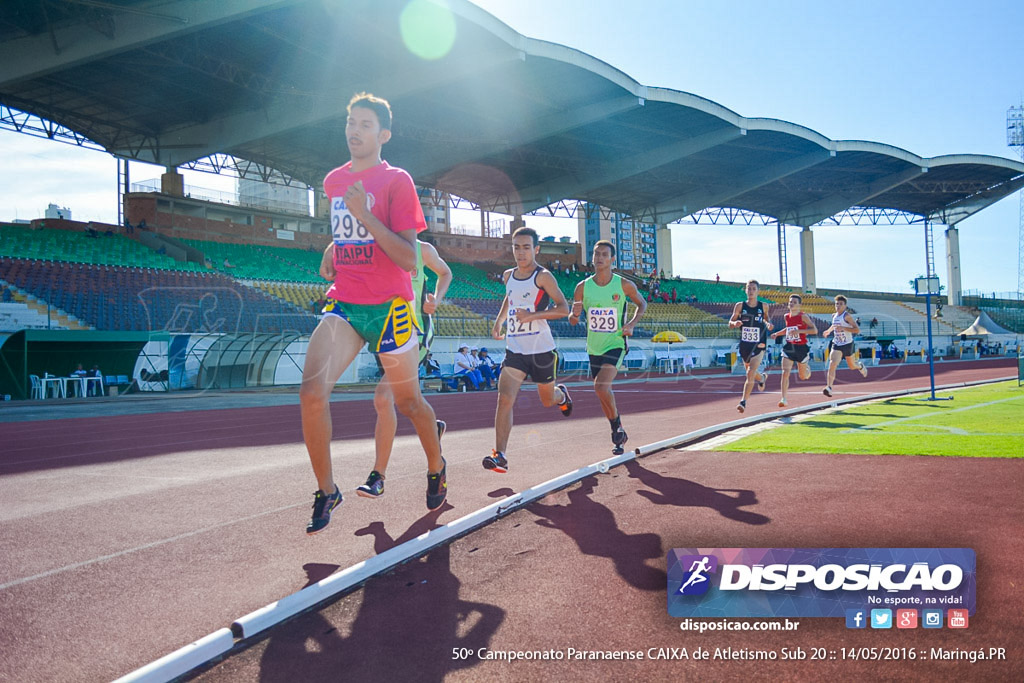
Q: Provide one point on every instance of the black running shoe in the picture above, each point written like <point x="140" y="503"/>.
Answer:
<point x="742" y="406"/>
<point x="827" y="391"/>
<point x="566" y="407"/>
<point x="437" y="487"/>
<point x="322" y="507"/>
<point x="442" y="426"/>
<point x="496" y="462"/>
<point x="761" y="382"/>
<point x="374" y="486"/>
<point x="619" y="438"/>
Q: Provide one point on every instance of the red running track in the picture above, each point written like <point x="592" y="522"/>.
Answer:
<point x="125" y="538"/>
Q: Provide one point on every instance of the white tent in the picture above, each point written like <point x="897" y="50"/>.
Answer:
<point x="984" y="325"/>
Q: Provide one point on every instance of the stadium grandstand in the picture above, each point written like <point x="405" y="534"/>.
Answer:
<point x="185" y="261"/>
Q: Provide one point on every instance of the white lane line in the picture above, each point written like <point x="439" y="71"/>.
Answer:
<point x="147" y="546"/>
<point x="867" y="428"/>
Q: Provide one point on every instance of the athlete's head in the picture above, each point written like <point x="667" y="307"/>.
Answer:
<point x="525" y="246"/>
<point x="604" y="254"/>
<point x="753" y="287"/>
<point x="795" y="301"/>
<point x="368" y="126"/>
<point x="840" y="303"/>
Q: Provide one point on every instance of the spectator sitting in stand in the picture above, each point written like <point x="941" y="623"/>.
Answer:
<point x="464" y="366"/>
<point x="488" y="368"/>
<point x="430" y="367"/>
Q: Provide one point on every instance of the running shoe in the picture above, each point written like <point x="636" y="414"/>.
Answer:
<point x="322" y="507"/>
<point x="761" y="382"/>
<point x="782" y="403"/>
<point x="496" y="462"/>
<point x="742" y="406"/>
<point x="827" y="391"/>
<point x="374" y="486"/>
<point x="863" y="370"/>
<point x="619" y="438"/>
<point x="437" y="487"/>
<point x="566" y="407"/>
<point x="442" y="426"/>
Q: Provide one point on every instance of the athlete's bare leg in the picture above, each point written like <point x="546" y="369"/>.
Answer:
<point x="386" y="427"/>
<point x="402" y="373"/>
<point x="550" y="395"/>
<point x="603" y="389"/>
<point x="509" y="382"/>
<point x="332" y="348"/>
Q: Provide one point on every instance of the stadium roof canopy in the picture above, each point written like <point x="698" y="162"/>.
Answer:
<point x="508" y="122"/>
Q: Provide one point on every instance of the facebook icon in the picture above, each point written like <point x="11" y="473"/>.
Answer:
<point x="856" y="618"/>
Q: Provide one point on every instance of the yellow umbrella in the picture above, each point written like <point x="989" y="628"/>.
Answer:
<point x="668" y="336"/>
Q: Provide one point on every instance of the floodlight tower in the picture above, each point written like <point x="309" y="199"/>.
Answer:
<point x="1015" y="138"/>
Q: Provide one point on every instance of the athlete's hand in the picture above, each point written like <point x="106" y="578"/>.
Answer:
<point x="736" y="323"/>
<point x="497" y="333"/>
<point x="429" y="303"/>
<point x="574" y="318"/>
<point x="327" y="271"/>
<point x="524" y="316"/>
<point x="769" y="326"/>
<point x="627" y="330"/>
<point x="355" y="200"/>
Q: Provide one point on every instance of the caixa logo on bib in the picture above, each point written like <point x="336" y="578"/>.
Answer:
<point x="816" y="582"/>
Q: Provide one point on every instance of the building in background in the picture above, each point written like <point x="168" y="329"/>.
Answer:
<point x="257" y="194"/>
<point x="435" y="209"/>
<point x="61" y="212"/>
<point x="639" y="247"/>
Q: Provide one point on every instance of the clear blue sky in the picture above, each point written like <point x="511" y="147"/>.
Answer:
<point x="931" y="77"/>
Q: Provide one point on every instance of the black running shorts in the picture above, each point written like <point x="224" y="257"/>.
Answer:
<point x="796" y="352"/>
<point x="539" y="367"/>
<point x="750" y="349"/>
<point x="847" y="349"/>
<point x="613" y="357"/>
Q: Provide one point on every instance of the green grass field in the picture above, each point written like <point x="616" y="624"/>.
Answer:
<point x="986" y="421"/>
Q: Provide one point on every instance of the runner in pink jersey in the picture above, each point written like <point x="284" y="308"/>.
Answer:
<point x="375" y="216"/>
<point x="364" y="273"/>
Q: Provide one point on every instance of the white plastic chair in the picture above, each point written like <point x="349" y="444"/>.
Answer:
<point x="37" y="387"/>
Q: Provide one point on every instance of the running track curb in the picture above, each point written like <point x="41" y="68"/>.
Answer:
<point x="222" y="641"/>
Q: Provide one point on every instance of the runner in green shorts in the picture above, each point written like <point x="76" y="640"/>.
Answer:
<point x="425" y="303"/>
<point x="375" y="216"/>
<point x="601" y="301"/>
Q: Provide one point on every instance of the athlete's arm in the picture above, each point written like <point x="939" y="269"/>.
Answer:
<point x="500" y="320"/>
<point x="641" y="306"/>
<point x="811" y="327"/>
<point x="577" y="304"/>
<point x="546" y="281"/>
<point x="768" y="318"/>
<point x="327" y="271"/>
<point x="399" y="246"/>
<point x="433" y="260"/>
<point x="735" y="321"/>
<point x="852" y="324"/>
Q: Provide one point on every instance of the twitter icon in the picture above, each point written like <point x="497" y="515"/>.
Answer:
<point x="881" y="618"/>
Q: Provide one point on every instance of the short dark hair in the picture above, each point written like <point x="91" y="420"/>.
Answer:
<point x="840" y="297"/>
<point x="797" y="297"/>
<point x="378" y="105"/>
<point x="755" y="282"/>
<point x="605" y="243"/>
<point x="529" y="232"/>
